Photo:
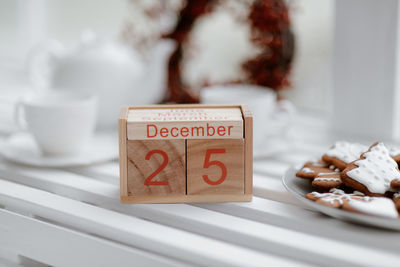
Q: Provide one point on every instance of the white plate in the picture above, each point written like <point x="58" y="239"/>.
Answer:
<point x="22" y="148"/>
<point x="300" y="187"/>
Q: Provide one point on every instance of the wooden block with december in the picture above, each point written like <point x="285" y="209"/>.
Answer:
<point x="184" y="123"/>
<point x="212" y="143"/>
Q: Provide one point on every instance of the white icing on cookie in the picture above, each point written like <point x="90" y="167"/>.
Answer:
<point x="336" y="195"/>
<point x="327" y="173"/>
<point x="311" y="163"/>
<point x="318" y="164"/>
<point x="307" y="170"/>
<point x="329" y="197"/>
<point x="346" y="152"/>
<point x="338" y="191"/>
<point x="379" y="206"/>
<point x="333" y="179"/>
<point x="376" y="170"/>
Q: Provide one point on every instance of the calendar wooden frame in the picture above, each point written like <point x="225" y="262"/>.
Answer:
<point x="248" y="160"/>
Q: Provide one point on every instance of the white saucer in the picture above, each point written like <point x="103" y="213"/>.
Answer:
<point x="22" y="148"/>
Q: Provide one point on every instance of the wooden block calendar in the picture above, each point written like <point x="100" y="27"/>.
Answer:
<point x="186" y="153"/>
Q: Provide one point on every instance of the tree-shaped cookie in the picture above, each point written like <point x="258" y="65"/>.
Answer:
<point x="342" y="153"/>
<point x="373" y="172"/>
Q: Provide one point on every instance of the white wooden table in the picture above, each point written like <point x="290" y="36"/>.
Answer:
<point x="72" y="217"/>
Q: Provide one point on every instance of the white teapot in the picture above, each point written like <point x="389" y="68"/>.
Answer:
<point x="110" y="70"/>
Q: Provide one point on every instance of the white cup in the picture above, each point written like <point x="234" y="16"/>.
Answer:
<point x="61" y="122"/>
<point x="271" y="118"/>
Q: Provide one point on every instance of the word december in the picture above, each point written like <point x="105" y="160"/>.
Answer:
<point x="208" y="130"/>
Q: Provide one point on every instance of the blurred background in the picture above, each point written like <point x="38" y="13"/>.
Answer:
<point x="140" y="25"/>
<point x="140" y="52"/>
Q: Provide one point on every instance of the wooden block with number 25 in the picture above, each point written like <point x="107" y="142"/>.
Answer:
<point x="185" y="153"/>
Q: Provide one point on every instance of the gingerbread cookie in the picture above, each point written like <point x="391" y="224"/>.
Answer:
<point x="373" y="172"/>
<point x="335" y="198"/>
<point x="395" y="183"/>
<point x="342" y="153"/>
<point x="378" y="206"/>
<point x="396" y="200"/>
<point x="327" y="181"/>
<point x="312" y="169"/>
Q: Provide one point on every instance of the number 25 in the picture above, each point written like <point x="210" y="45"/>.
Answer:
<point x="206" y="165"/>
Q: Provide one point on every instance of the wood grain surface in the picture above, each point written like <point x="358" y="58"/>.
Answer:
<point x="225" y="156"/>
<point x="140" y="168"/>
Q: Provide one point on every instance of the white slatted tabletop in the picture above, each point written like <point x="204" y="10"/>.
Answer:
<point x="72" y="217"/>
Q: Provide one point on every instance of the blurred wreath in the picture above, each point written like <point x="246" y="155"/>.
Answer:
<point x="218" y="42"/>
